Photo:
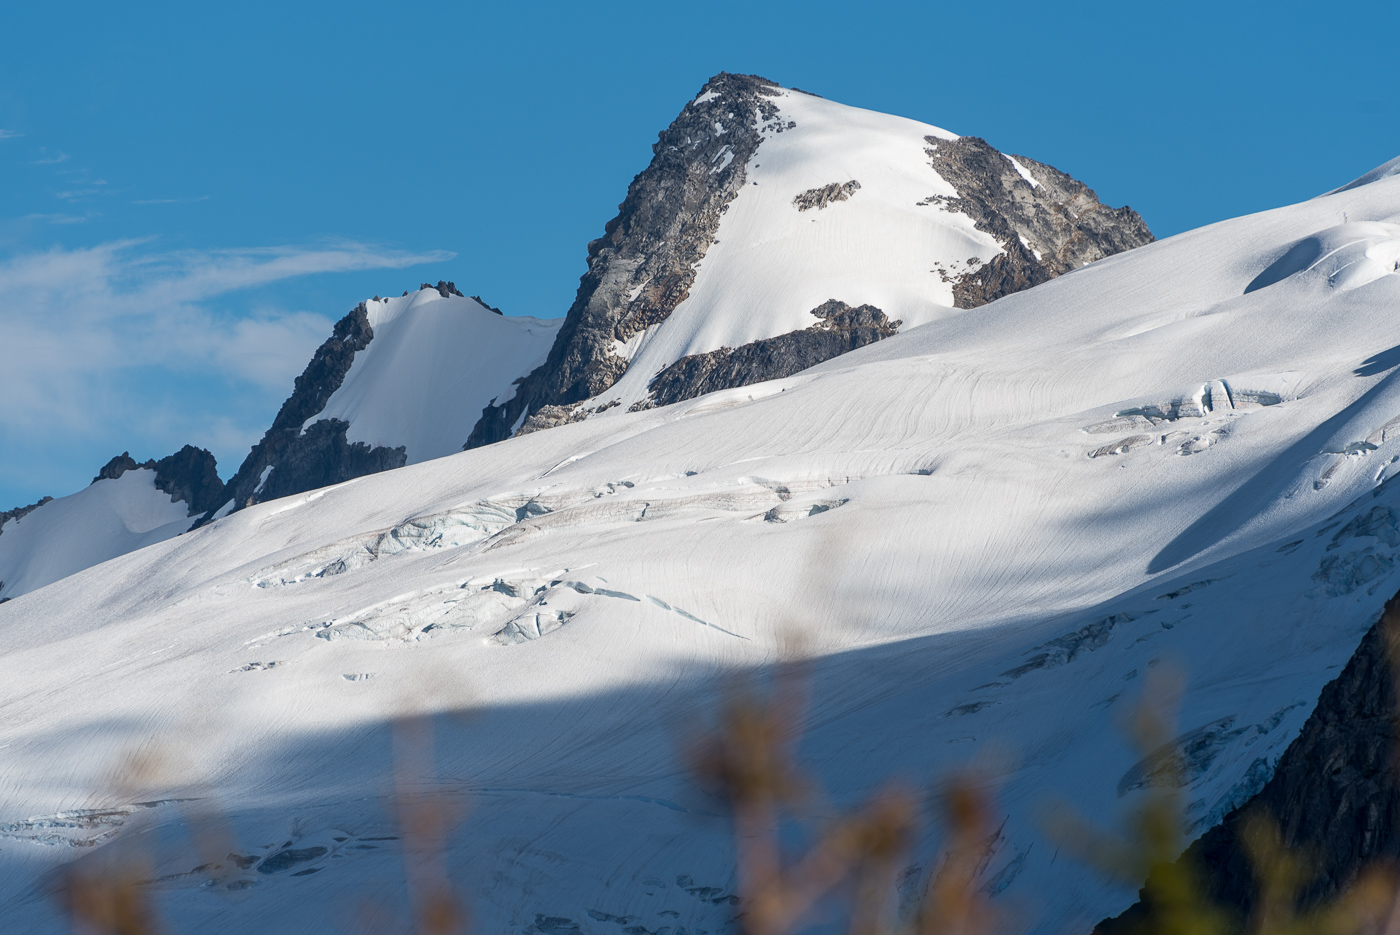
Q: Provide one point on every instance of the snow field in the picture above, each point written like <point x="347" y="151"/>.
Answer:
<point x="1024" y="509"/>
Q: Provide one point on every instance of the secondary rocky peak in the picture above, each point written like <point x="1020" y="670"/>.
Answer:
<point x="288" y="461"/>
<point x="644" y="264"/>
<point x="116" y="467"/>
<point x="190" y="475"/>
<point x="1034" y="222"/>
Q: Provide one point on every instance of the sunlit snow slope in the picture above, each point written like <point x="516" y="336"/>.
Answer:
<point x="435" y="362"/>
<point x="109" y="518"/>
<point x="774" y="230"/>
<point x="986" y="530"/>
<point x="772" y="262"/>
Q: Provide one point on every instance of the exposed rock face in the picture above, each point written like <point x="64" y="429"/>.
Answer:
<point x="289" y="461"/>
<point x="1335" y="793"/>
<point x="20" y="512"/>
<point x="841" y="329"/>
<point x="443" y="288"/>
<point x="644" y="264"/>
<point x="821" y="197"/>
<point x="482" y="302"/>
<point x="1049" y="228"/>
<point x="190" y="475"/>
<point x="116" y="467"/>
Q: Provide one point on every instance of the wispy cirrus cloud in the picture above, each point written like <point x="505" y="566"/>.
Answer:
<point x="170" y="201"/>
<point x="10" y="134"/>
<point x="83" y="329"/>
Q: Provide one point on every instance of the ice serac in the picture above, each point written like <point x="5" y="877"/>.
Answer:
<point x="1335" y="794"/>
<point x="645" y="263"/>
<point x="761" y="204"/>
<point x="400" y="380"/>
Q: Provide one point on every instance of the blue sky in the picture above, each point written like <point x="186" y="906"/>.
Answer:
<point x="193" y="193"/>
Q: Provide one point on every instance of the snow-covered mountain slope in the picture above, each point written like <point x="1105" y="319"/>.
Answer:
<point x="986" y="530"/>
<point x="128" y="506"/>
<point x="401" y="380"/>
<point x="764" y="204"/>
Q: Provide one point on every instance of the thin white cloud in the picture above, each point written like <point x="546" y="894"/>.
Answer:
<point x="52" y="160"/>
<point x="170" y="201"/>
<point x="58" y="218"/>
<point x="10" y="134"/>
<point x="78" y="326"/>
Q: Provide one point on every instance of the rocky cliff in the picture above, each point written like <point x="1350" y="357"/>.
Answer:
<point x="1335" y="793"/>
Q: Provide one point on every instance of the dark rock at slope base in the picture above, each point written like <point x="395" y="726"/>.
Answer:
<point x="1047" y="229"/>
<point x="287" y="460"/>
<point x="644" y="264"/>
<point x="1335" y="793"/>
<point x="841" y="329"/>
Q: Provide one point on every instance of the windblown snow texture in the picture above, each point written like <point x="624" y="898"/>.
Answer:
<point x="987" y="529"/>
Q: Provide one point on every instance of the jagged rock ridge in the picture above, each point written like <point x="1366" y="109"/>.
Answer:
<point x="1048" y="224"/>
<point x="1335" y="793"/>
<point x="190" y="475"/>
<point x="287" y="460"/>
<point x="644" y="264"/>
<point x="841" y="328"/>
<point x="20" y="512"/>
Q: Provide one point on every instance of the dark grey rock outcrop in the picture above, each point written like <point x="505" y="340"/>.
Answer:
<point x="1335" y="793"/>
<point x="190" y="475"/>
<point x="116" y="467"/>
<point x="1058" y="218"/>
<point x="841" y="329"/>
<point x="20" y="512"/>
<point x="819" y="198"/>
<point x="644" y="264"/>
<point x="490" y="308"/>
<point x="287" y="460"/>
